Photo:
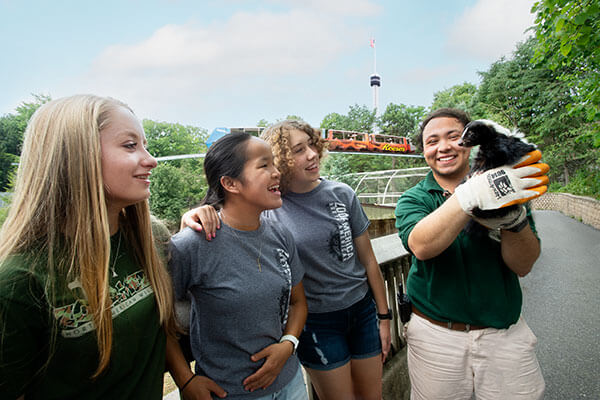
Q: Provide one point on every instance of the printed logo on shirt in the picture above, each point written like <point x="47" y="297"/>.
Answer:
<point x="286" y="291"/>
<point x="74" y="320"/>
<point x="340" y="241"/>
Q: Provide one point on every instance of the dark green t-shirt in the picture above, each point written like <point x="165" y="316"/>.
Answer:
<point x="468" y="282"/>
<point x="138" y="354"/>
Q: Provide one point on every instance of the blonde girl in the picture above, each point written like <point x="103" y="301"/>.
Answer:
<point x="85" y="302"/>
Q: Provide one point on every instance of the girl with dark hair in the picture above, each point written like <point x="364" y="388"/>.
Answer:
<point x="347" y="333"/>
<point x="248" y="305"/>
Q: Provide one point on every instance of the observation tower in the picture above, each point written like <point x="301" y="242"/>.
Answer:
<point x="375" y="81"/>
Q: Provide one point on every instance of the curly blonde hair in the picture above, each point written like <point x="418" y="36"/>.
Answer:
<point x="278" y="137"/>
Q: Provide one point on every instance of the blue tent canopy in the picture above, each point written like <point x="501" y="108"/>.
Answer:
<point x="216" y="134"/>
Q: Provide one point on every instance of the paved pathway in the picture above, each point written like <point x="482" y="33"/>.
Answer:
<point x="562" y="306"/>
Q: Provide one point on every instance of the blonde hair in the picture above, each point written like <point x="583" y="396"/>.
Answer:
<point x="278" y="136"/>
<point x="59" y="203"/>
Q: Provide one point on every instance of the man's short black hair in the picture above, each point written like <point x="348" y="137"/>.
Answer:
<point x="460" y="115"/>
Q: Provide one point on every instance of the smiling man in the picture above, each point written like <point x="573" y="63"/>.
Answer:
<point x="466" y="334"/>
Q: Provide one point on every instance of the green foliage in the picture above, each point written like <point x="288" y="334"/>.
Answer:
<point x="175" y="190"/>
<point x="568" y="39"/>
<point x="531" y="98"/>
<point x="177" y="185"/>
<point x="359" y="119"/>
<point x="458" y="96"/>
<point x="263" y="123"/>
<point x="583" y="183"/>
<point x="4" y="206"/>
<point x="401" y="120"/>
<point x="167" y="139"/>
<point x="12" y="128"/>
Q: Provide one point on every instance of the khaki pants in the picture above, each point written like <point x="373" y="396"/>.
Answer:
<point x="492" y="363"/>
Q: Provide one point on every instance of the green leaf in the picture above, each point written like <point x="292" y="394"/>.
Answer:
<point x="565" y="49"/>
<point x="560" y="24"/>
<point x="582" y="40"/>
<point x="580" y="19"/>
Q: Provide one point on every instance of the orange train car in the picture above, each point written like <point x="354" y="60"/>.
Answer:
<point x="340" y="140"/>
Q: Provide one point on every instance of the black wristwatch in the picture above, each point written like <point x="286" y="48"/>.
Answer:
<point x="388" y="315"/>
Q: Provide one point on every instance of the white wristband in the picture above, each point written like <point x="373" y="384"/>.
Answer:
<point x="290" y="338"/>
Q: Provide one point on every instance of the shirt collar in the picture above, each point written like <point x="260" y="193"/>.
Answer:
<point x="431" y="185"/>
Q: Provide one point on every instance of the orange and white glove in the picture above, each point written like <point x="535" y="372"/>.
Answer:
<point x="504" y="186"/>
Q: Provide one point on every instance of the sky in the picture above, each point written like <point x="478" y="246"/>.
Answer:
<point x="231" y="63"/>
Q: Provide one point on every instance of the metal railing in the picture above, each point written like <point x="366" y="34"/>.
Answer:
<point x="394" y="262"/>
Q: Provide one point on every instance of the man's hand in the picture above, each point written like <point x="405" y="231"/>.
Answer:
<point x="509" y="221"/>
<point x="276" y="355"/>
<point x="204" y="218"/>
<point x="502" y="187"/>
<point x="201" y="387"/>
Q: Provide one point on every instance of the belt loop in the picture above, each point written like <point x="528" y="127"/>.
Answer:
<point x="468" y="327"/>
<point x="449" y="325"/>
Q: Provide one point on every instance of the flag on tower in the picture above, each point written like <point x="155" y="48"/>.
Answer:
<point x="372" y="43"/>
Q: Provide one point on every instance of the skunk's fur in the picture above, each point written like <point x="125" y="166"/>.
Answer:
<point x="497" y="147"/>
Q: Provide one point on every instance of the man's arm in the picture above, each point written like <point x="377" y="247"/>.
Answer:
<point x="519" y="250"/>
<point x="436" y="232"/>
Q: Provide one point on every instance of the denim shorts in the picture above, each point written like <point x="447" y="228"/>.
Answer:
<point x="295" y="390"/>
<point x="329" y="340"/>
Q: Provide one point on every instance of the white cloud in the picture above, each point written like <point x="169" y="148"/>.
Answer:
<point x="490" y="29"/>
<point x="191" y="64"/>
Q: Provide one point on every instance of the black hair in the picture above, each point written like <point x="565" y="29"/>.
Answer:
<point x="455" y="113"/>
<point x="226" y="157"/>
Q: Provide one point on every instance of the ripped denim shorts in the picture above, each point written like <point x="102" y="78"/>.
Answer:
<point x="329" y="340"/>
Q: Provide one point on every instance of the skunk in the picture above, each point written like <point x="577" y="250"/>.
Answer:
<point x="498" y="146"/>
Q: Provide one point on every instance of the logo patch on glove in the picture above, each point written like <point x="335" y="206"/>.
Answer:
<point x="500" y="183"/>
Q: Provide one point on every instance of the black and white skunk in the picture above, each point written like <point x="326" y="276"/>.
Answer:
<point x="498" y="146"/>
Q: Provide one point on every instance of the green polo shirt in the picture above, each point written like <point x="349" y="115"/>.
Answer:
<point x="468" y="282"/>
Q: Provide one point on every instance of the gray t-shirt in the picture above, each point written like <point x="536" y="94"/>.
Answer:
<point x="324" y="223"/>
<point x="239" y="284"/>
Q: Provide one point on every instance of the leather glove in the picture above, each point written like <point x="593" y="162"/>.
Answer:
<point x="504" y="186"/>
<point x="513" y="221"/>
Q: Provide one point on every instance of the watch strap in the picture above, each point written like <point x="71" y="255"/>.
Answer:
<point x="520" y="226"/>
<point x="388" y="315"/>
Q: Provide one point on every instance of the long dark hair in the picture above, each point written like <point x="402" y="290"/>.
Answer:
<point x="226" y="157"/>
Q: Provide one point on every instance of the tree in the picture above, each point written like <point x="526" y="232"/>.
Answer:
<point x="458" y="96"/>
<point x="12" y="128"/>
<point x="263" y="123"/>
<point x="359" y="119"/>
<point x="568" y="39"/>
<point x="175" y="190"/>
<point x="168" y="139"/>
<point x="401" y="120"/>
<point x="176" y="185"/>
<point x="531" y="98"/>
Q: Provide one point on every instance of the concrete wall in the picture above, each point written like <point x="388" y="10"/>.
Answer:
<point x="584" y="209"/>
